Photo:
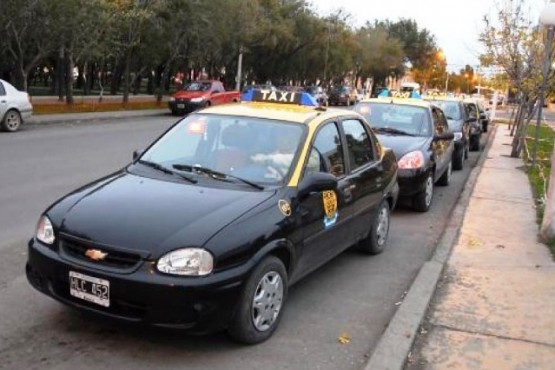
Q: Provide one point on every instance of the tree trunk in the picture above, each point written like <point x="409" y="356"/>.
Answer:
<point x="60" y="74"/>
<point x="69" y="77"/>
<point x="150" y="85"/>
<point x="126" y="78"/>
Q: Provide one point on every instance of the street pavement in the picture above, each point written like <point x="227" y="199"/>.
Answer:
<point x="353" y="295"/>
<point x="495" y="304"/>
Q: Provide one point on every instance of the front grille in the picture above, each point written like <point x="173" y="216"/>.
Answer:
<point x="114" y="259"/>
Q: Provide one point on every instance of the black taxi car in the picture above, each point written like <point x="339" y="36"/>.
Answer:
<point x="418" y="133"/>
<point x="209" y="226"/>
<point x="462" y="126"/>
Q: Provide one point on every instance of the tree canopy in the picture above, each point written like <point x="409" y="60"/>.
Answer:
<point x="116" y="44"/>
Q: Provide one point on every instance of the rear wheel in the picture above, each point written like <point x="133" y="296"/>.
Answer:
<point x="11" y="121"/>
<point x="376" y="240"/>
<point x="475" y="143"/>
<point x="259" y="310"/>
<point x="458" y="159"/>
<point x="423" y="200"/>
<point x="445" y="179"/>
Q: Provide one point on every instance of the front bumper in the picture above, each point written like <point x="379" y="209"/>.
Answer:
<point x="184" y="106"/>
<point x="412" y="182"/>
<point x="197" y="304"/>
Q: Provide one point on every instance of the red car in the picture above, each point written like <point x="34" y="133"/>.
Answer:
<point x="200" y="94"/>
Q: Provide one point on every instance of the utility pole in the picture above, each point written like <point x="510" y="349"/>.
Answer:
<point x="239" y="69"/>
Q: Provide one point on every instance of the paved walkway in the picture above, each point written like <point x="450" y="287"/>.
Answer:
<point x="495" y="306"/>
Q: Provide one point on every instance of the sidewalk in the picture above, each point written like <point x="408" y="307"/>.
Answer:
<point x="495" y="304"/>
<point x="91" y="116"/>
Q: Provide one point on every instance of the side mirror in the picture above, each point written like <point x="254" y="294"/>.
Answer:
<point x="444" y="136"/>
<point x="316" y="182"/>
<point x="136" y="154"/>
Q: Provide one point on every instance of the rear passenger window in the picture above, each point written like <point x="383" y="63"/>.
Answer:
<point x="2" y="90"/>
<point x="359" y="145"/>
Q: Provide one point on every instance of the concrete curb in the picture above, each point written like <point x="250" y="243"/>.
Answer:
<point x="92" y="116"/>
<point x="396" y="342"/>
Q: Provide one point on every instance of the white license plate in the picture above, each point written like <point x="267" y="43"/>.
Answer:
<point x="89" y="288"/>
<point x="181" y="106"/>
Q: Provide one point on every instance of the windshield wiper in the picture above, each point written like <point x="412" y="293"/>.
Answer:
<point x="215" y="174"/>
<point x="164" y="169"/>
<point x="391" y="130"/>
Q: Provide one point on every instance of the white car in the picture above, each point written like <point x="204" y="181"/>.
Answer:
<point x="15" y="107"/>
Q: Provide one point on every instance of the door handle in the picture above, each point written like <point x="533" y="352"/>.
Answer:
<point x="3" y="101"/>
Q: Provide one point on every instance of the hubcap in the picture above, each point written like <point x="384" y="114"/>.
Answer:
<point x="12" y="120"/>
<point x="383" y="226"/>
<point x="267" y="300"/>
<point x="429" y="190"/>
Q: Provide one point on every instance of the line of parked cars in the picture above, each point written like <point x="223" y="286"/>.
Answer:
<point x="208" y="226"/>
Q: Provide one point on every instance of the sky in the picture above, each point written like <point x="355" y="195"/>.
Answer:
<point x="456" y="24"/>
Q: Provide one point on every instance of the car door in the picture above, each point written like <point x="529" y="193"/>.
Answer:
<point x="216" y="93"/>
<point x="366" y="176"/>
<point x="325" y="233"/>
<point x="3" y="101"/>
<point x="440" y="147"/>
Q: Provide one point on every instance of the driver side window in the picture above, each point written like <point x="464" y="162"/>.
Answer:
<point x="326" y="153"/>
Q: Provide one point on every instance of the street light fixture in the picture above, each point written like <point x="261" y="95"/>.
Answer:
<point x="547" y="19"/>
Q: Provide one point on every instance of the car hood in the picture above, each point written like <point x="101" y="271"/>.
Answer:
<point x="402" y="145"/>
<point x="189" y="94"/>
<point x="135" y="212"/>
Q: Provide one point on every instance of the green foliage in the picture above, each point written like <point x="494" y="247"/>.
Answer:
<point x="122" y="42"/>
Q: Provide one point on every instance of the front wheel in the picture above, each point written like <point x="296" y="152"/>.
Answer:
<point x="11" y="121"/>
<point x="376" y="240"/>
<point x="261" y="303"/>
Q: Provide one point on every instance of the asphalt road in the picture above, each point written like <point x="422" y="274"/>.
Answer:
<point x="354" y="294"/>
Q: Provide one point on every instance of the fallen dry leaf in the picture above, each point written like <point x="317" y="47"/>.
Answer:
<point x="344" y="338"/>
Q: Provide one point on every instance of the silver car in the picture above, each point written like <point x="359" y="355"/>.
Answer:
<point x="15" y="107"/>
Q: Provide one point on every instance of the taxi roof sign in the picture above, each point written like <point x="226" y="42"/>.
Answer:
<point x="399" y="94"/>
<point x="281" y="97"/>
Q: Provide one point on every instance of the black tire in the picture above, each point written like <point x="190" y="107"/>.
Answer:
<point x="376" y="241"/>
<point x="242" y="327"/>
<point x="11" y="121"/>
<point x="445" y="179"/>
<point x="484" y="127"/>
<point x="475" y="143"/>
<point x="458" y="159"/>
<point x="174" y="112"/>
<point x="421" y="202"/>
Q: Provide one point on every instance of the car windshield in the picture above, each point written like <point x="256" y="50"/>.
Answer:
<point x="451" y="109"/>
<point x="399" y="118"/>
<point x="340" y="89"/>
<point x="197" y="86"/>
<point x="253" y="149"/>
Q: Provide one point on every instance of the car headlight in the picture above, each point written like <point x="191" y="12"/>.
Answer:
<point x="172" y="98"/>
<point x="186" y="261"/>
<point x="196" y="100"/>
<point x="411" y="160"/>
<point x="45" y="231"/>
<point x="458" y="135"/>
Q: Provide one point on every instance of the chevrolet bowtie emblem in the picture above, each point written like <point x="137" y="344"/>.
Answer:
<point x="95" y="254"/>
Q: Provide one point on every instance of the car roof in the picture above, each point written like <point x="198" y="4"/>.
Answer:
<point x="442" y="98"/>
<point x="399" y="101"/>
<point x="283" y="112"/>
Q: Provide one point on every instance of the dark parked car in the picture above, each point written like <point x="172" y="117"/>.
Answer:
<point x="418" y="133"/>
<point x="459" y="124"/>
<point x="211" y="224"/>
<point x="342" y="95"/>
<point x="476" y="125"/>
<point x="319" y="94"/>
